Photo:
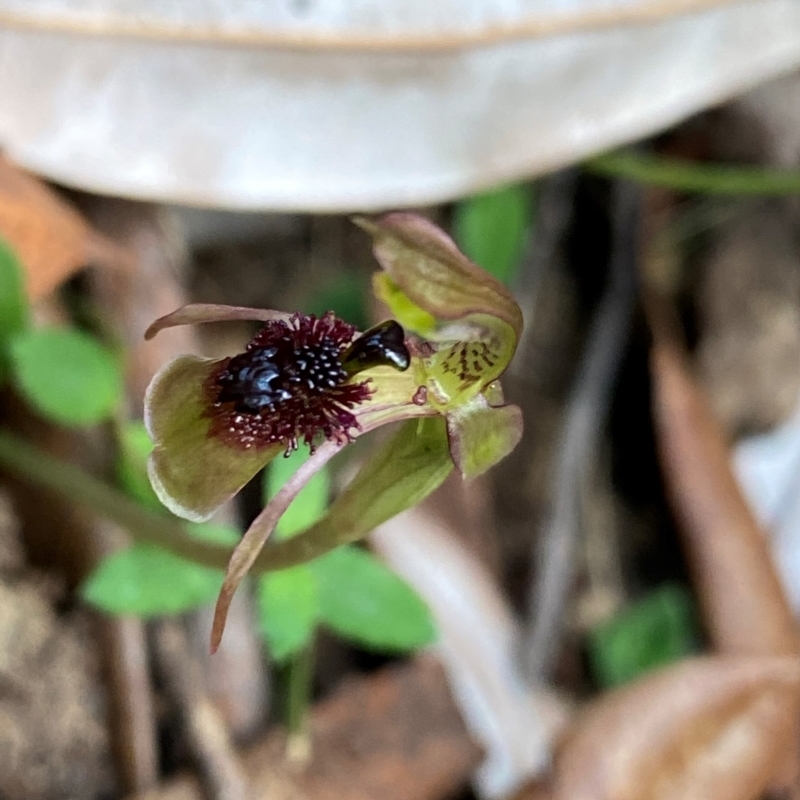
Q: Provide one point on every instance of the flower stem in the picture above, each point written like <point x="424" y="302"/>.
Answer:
<point x="693" y="176"/>
<point x="298" y="699"/>
<point x="73" y="483"/>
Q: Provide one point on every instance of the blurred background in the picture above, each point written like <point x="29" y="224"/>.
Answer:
<point x="615" y="603"/>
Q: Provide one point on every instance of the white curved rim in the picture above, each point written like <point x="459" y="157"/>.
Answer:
<point x="534" y="27"/>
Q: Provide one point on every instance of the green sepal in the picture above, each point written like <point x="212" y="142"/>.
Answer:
<point x="425" y="264"/>
<point x="363" y="600"/>
<point x="288" y="610"/>
<point x="67" y="375"/>
<point x="480" y="436"/>
<point x="403" y="472"/>
<point x="193" y="473"/>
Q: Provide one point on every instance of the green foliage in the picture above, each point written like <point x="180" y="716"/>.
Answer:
<point x="288" y="606"/>
<point x="655" y="631"/>
<point x="361" y="599"/>
<point x="13" y="303"/>
<point x="312" y="500"/>
<point x="345" y="297"/>
<point x="134" y="450"/>
<point x="66" y="375"/>
<point x="147" y="581"/>
<point x="493" y="229"/>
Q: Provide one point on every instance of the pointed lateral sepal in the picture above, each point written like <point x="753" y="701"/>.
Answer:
<point x="257" y="534"/>
<point x="192" y="472"/>
<point x="481" y="435"/>
<point x="197" y="313"/>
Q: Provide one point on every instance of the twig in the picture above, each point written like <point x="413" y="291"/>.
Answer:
<point x="204" y="726"/>
<point x="553" y="214"/>
<point x="393" y="735"/>
<point x="586" y="411"/>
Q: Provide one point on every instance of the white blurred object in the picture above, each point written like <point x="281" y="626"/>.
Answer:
<point x="348" y="104"/>
<point x="479" y="642"/>
<point x="768" y="468"/>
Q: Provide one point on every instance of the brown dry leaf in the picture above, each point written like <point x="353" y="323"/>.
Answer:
<point x="50" y="237"/>
<point x="740" y="594"/>
<point x="393" y="735"/>
<point x="710" y="728"/>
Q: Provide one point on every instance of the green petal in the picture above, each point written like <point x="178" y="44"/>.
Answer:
<point x="481" y="435"/>
<point x="192" y="473"/>
<point x="403" y="472"/>
<point x="428" y="274"/>
<point x="406" y="312"/>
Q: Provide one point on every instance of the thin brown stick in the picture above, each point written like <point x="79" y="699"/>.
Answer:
<point x="203" y="725"/>
<point x="585" y="413"/>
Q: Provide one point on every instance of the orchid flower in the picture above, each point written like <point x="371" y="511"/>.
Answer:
<point x="317" y="382"/>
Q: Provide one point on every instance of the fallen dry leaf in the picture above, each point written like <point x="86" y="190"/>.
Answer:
<point x="393" y="735"/>
<point x="479" y="644"/>
<point x="50" y="237"/>
<point x="711" y="728"/>
<point x="741" y="598"/>
<point x="740" y="594"/>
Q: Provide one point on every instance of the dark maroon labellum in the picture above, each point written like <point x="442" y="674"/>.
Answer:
<point x="293" y="382"/>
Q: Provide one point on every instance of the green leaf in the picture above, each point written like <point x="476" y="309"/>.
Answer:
<point x="67" y="375"/>
<point x="480" y="435"/>
<point x="399" y="475"/>
<point x="361" y="599"/>
<point x="13" y="302"/>
<point x="193" y="473"/>
<point x="493" y="229"/>
<point x="146" y="581"/>
<point x="310" y="503"/>
<point x="658" y="630"/>
<point x="211" y="532"/>
<point x="288" y="610"/>
<point x="345" y="297"/>
<point x="134" y="450"/>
